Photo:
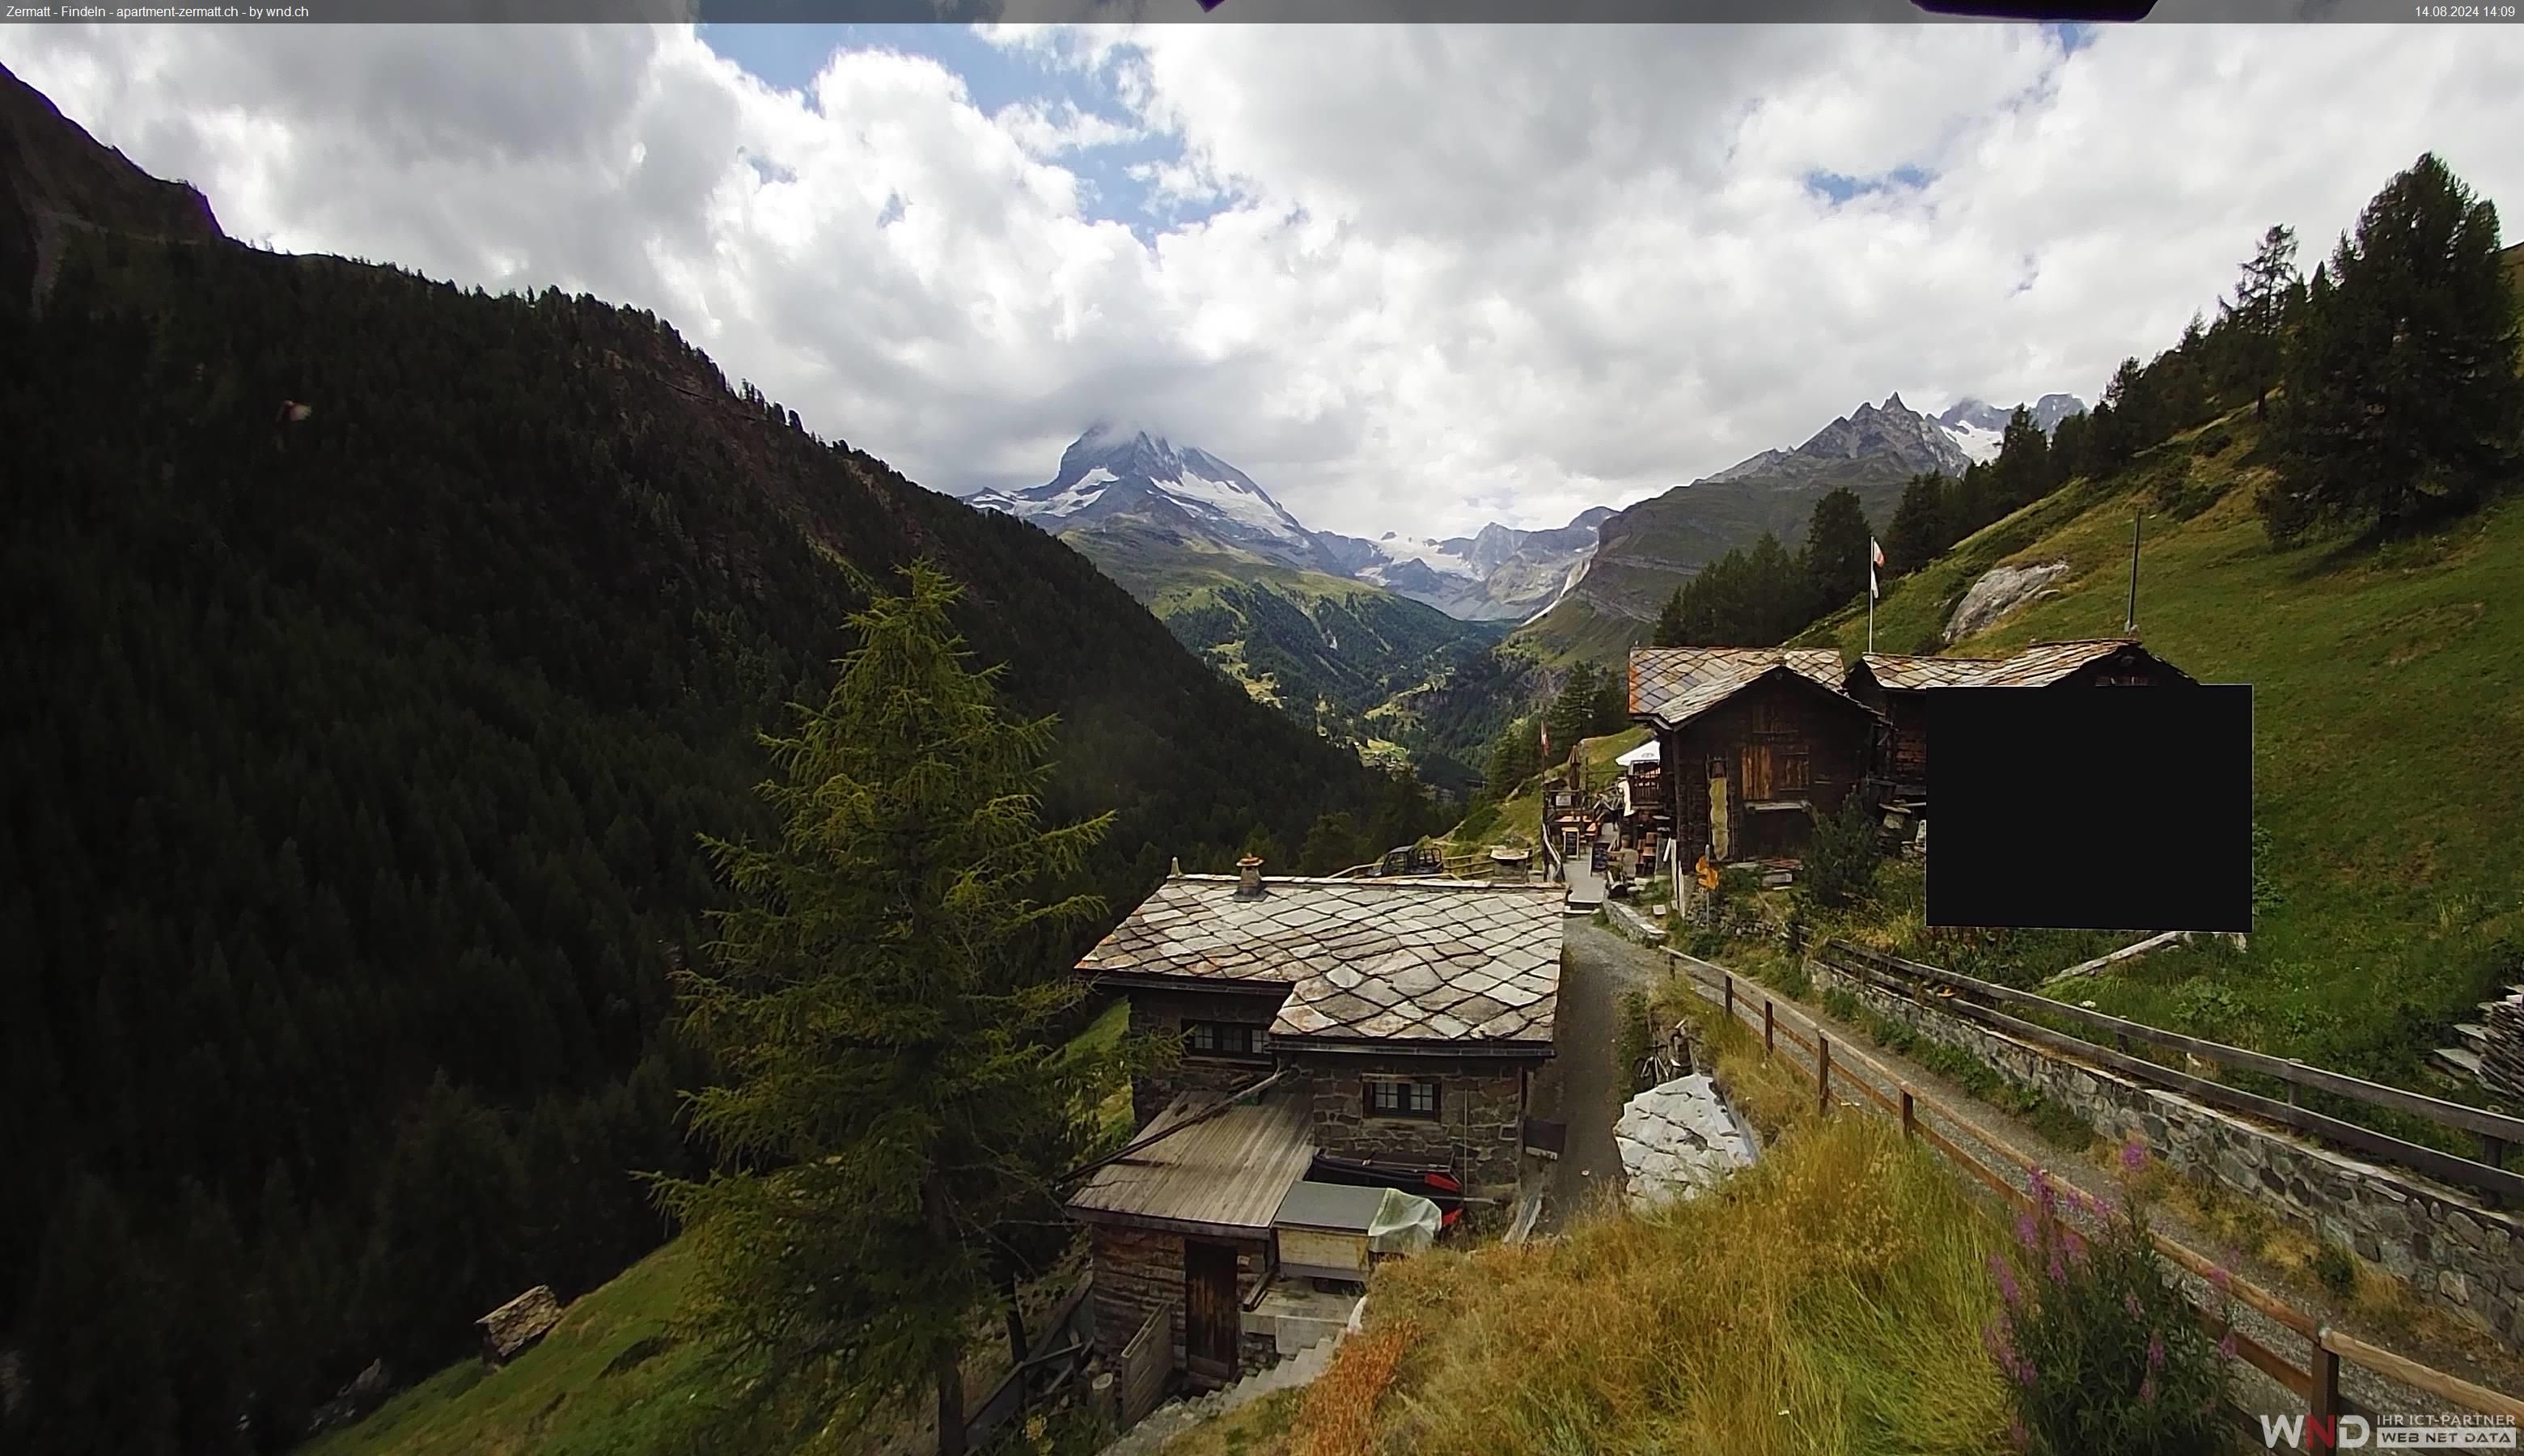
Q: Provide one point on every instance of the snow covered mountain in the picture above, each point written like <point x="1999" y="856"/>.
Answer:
<point x="1501" y="575"/>
<point x="1979" y="428"/>
<point x="1120" y="483"/>
<point x="1120" y="471"/>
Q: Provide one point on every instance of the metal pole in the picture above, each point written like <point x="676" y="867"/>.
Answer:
<point x="2131" y="627"/>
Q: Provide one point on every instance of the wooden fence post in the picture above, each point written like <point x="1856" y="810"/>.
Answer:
<point x="1910" y="1116"/>
<point x="1729" y="977"/>
<point x="1770" y="1038"/>
<point x="2322" y="1430"/>
<point x="1822" y="1073"/>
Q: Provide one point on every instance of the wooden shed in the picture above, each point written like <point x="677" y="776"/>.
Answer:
<point x="1182" y="1226"/>
<point x="1754" y="742"/>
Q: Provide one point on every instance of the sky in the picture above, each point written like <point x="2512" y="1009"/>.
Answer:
<point x="1410" y="279"/>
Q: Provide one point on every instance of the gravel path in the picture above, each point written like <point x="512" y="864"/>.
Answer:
<point x="1856" y="1057"/>
<point x="1581" y="1083"/>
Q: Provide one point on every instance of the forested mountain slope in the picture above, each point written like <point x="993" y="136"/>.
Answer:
<point x="376" y="652"/>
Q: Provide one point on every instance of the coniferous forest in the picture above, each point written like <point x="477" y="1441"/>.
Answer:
<point x="377" y="654"/>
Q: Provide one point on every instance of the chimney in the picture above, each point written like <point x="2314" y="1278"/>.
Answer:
<point x="1174" y="868"/>
<point x="1250" y="867"/>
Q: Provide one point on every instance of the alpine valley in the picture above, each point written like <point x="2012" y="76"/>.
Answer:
<point x="1379" y="642"/>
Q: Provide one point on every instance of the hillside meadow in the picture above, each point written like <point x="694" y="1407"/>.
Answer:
<point x="2387" y="691"/>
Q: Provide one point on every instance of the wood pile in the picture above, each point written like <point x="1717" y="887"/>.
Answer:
<point x="2502" y="1058"/>
<point x="518" y="1323"/>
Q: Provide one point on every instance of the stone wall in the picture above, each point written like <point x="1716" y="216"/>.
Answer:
<point x="2452" y="1249"/>
<point x="1478" y="1134"/>
<point x="1164" y="1012"/>
<point x="1138" y="1271"/>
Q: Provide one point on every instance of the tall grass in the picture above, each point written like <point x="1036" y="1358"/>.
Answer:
<point x="1829" y="1299"/>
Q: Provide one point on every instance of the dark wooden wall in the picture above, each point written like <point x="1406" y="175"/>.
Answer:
<point x="1780" y="719"/>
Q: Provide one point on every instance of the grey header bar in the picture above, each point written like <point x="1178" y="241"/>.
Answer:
<point x="1237" y="11"/>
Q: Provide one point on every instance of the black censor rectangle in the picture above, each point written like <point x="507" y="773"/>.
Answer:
<point x="2091" y="807"/>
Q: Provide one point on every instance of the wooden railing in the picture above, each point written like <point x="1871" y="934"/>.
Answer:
<point x="2316" y="1383"/>
<point x="1146" y="1361"/>
<point x="2495" y="1131"/>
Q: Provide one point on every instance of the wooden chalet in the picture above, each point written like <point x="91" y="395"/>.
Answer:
<point x="1752" y="743"/>
<point x="1897" y="686"/>
<point x="1397" y="1023"/>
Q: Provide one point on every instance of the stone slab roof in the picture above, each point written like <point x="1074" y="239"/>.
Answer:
<point x="2036" y="666"/>
<point x="1401" y="961"/>
<point x="1673" y="685"/>
<point x="1904" y="672"/>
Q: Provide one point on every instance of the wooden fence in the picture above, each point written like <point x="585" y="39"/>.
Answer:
<point x="2316" y="1383"/>
<point x="1978" y="1001"/>
<point x="1146" y="1361"/>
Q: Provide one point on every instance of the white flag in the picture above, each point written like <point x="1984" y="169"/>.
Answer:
<point x="1875" y="558"/>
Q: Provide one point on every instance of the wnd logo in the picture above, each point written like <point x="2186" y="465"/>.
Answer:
<point x="2330" y="1433"/>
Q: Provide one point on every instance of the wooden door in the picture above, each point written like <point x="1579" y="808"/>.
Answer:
<point x="1211" y="1319"/>
<point x="1757" y="771"/>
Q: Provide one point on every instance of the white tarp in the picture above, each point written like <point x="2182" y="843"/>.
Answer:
<point x="1645" y="752"/>
<point x="1404" y="1224"/>
<point x="1677" y="1140"/>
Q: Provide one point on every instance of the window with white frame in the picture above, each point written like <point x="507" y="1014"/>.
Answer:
<point x="1393" y="1097"/>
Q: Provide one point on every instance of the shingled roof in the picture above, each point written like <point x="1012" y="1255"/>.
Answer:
<point x="1438" y="963"/>
<point x="1905" y="673"/>
<point x="1674" y="685"/>
<point x="2036" y="666"/>
<point x="1224" y="1174"/>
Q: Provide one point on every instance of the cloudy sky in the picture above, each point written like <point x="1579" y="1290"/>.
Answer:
<point x="1410" y="279"/>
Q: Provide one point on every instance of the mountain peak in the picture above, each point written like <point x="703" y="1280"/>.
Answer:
<point x="1893" y="404"/>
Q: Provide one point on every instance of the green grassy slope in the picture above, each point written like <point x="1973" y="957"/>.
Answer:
<point x="2387" y="689"/>
<point x="1326" y="650"/>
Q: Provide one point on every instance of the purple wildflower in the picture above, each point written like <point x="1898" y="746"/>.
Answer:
<point x="2155" y="1352"/>
<point x="2042" y="1193"/>
<point x="2130" y="1302"/>
<point x="2218" y="1277"/>
<point x="2133" y="1156"/>
<point x="2017" y="1435"/>
<point x="2147" y="1391"/>
<point x="2006" y="1286"/>
<point x="2059" y="1269"/>
<point x="2026" y="1232"/>
<point x="2226" y="1346"/>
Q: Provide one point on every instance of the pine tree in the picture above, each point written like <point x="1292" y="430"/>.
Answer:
<point x="96" y="1370"/>
<point x="1669" y="630"/>
<point x="1917" y="531"/>
<point x="1835" y="555"/>
<point x="1612" y="700"/>
<point x="2401" y="397"/>
<point x="2023" y="462"/>
<point x="1333" y="844"/>
<point x="1573" y="712"/>
<point x="890" y="1117"/>
<point x="2258" y="311"/>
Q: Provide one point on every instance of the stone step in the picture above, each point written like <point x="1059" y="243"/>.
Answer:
<point x="2456" y="1059"/>
<point x="2469" y="1038"/>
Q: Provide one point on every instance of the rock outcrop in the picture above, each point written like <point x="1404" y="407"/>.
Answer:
<point x="2000" y="591"/>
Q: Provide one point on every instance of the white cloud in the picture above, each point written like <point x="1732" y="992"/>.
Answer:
<point x="1431" y="274"/>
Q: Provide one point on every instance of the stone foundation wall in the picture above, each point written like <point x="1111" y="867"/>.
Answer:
<point x="1164" y="1012"/>
<point x="2452" y="1249"/>
<point x="1138" y="1271"/>
<point x="1478" y="1134"/>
